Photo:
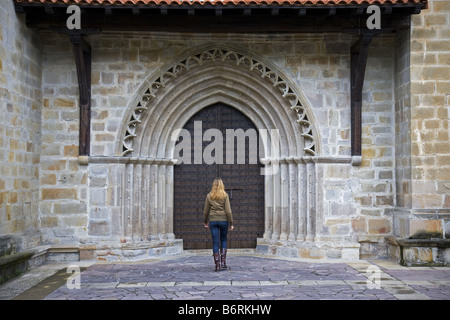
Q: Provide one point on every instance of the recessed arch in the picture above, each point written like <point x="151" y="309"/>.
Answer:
<point x="216" y="74"/>
<point x="168" y="99"/>
<point x="247" y="99"/>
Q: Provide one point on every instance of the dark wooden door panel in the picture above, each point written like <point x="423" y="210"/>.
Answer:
<point x="243" y="182"/>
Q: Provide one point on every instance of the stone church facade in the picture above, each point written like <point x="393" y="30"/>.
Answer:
<point x="113" y="195"/>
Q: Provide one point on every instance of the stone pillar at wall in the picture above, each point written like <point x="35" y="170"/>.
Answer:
<point x="402" y="96"/>
<point x="426" y="194"/>
<point x="430" y="136"/>
<point x="423" y="139"/>
<point x="20" y="130"/>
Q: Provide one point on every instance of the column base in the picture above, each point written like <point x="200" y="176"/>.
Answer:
<point x="317" y="250"/>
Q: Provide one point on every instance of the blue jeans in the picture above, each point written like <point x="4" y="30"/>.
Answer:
<point x="219" y="230"/>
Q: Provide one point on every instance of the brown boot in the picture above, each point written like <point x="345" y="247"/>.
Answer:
<point x="217" y="261"/>
<point x="223" y="258"/>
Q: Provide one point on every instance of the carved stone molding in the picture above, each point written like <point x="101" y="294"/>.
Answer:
<point x="213" y="56"/>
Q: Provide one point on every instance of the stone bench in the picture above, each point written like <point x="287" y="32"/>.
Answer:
<point x="13" y="264"/>
<point x="420" y="252"/>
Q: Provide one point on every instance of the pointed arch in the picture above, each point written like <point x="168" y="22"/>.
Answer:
<point x="216" y="74"/>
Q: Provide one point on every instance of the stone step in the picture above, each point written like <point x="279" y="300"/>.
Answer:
<point x="14" y="264"/>
<point x="419" y="252"/>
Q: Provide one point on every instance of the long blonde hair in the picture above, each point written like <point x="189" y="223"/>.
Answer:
<point x="217" y="190"/>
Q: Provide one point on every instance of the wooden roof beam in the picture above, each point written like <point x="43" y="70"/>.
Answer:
<point x="358" y="61"/>
<point x="82" y="51"/>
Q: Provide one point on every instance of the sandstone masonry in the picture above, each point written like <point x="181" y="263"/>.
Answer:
<point x="401" y="188"/>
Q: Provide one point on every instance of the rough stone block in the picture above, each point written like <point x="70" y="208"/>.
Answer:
<point x="311" y="253"/>
<point x="350" y="254"/>
<point x="53" y="164"/>
<point x="359" y="225"/>
<point x="342" y="209"/>
<point x="379" y="226"/>
<point x="87" y="253"/>
<point x="59" y="194"/>
<point x="64" y="103"/>
<point x="99" y="228"/>
<point x="49" y="222"/>
<point x="71" y="151"/>
<point x="418" y="226"/>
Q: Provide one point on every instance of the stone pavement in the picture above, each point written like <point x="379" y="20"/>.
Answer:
<point x="250" y="277"/>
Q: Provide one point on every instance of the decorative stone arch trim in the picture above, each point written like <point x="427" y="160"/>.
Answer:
<point x="280" y="83"/>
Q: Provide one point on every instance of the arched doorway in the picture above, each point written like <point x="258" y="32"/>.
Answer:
<point x="243" y="180"/>
<point x="166" y="100"/>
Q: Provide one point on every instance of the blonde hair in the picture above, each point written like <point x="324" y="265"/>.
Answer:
<point x="217" y="190"/>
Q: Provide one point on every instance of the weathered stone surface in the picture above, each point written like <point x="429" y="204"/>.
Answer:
<point x="405" y="135"/>
<point x="425" y="226"/>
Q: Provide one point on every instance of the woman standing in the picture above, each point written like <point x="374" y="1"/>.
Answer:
<point x="218" y="213"/>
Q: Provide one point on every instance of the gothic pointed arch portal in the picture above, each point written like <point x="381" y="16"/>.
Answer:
<point x="166" y="102"/>
<point x="193" y="65"/>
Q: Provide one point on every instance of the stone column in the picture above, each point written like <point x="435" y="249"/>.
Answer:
<point x="146" y="208"/>
<point x="276" y="196"/>
<point x="140" y="197"/>
<point x="293" y="200"/>
<point x="284" y="201"/>
<point x="311" y="200"/>
<point x="169" y="200"/>
<point x="116" y="173"/>
<point x="302" y="201"/>
<point x="268" y="207"/>
<point x="161" y="200"/>
<point x="127" y="201"/>
<point x="153" y="221"/>
<point x="136" y="205"/>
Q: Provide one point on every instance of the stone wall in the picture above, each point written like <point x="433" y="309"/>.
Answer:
<point x="20" y="129"/>
<point x="430" y="87"/>
<point x="400" y="187"/>
<point x="423" y="169"/>
<point x="77" y="202"/>
<point x="402" y="120"/>
<point x="63" y="183"/>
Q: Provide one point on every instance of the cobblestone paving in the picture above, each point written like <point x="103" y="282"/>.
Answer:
<point x="252" y="277"/>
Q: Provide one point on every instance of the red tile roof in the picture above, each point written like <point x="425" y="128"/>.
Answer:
<point x="225" y="2"/>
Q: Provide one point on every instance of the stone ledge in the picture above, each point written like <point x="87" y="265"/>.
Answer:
<point x="14" y="264"/>
<point x="134" y="251"/>
<point x="438" y="243"/>
<point x="113" y="251"/>
<point x="317" y="250"/>
<point x="419" y="252"/>
<point x="15" y="258"/>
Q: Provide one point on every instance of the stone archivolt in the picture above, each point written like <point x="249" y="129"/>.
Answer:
<point x="224" y="56"/>
<point x="140" y="178"/>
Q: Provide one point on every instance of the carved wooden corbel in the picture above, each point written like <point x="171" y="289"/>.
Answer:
<point x="359" y="53"/>
<point x="82" y="51"/>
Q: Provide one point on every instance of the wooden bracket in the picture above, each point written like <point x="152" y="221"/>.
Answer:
<point x="359" y="52"/>
<point x="82" y="51"/>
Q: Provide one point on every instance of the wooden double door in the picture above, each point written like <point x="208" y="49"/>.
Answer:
<point x="243" y="180"/>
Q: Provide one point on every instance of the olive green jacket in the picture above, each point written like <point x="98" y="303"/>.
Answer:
<point x="217" y="210"/>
